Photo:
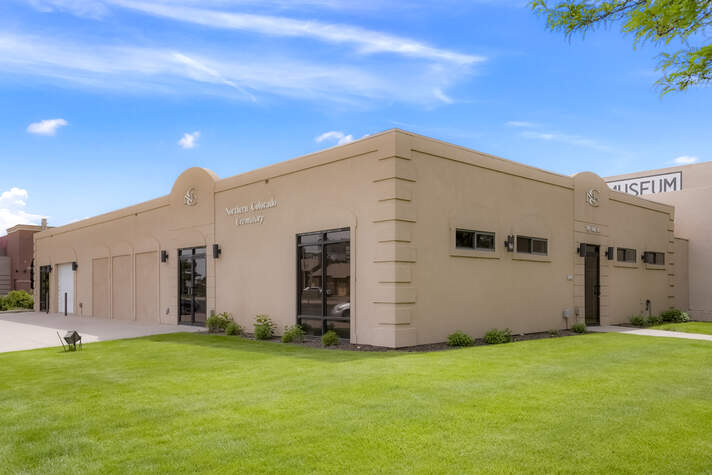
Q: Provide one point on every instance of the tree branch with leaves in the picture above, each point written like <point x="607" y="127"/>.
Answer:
<point x="659" y="21"/>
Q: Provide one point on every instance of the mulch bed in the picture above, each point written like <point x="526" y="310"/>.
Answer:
<point x="315" y="342"/>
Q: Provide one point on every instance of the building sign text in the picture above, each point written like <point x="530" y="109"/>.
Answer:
<point x="647" y="185"/>
<point x="245" y="214"/>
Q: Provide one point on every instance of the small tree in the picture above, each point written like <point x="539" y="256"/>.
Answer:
<point x="659" y="21"/>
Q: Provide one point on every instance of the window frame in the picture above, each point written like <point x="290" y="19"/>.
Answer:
<point x="531" y="245"/>
<point x="475" y="234"/>
<point x="322" y="243"/>
<point x="625" y="255"/>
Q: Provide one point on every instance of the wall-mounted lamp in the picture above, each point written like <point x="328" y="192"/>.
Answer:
<point x="74" y="265"/>
<point x="609" y="253"/>
<point x="509" y="243"/>
<point x="645" y="256"/>
<point x="216" y="251"/>
<point x="164" y="256"/>
<point x="582" y="250"/>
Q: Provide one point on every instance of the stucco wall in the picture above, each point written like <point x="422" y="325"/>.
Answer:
<point x="402" y="196"/>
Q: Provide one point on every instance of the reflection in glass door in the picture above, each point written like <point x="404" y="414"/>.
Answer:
<point x="324" y="282"/>
<point x="44" y="288"/>
<point x="192" y="286"/>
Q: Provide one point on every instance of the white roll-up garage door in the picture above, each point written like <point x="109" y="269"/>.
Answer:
<point x="65" y="276"/>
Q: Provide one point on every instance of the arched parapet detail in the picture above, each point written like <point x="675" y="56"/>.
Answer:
<point x="591" y="198"/>
<point x="193" y="197"/>
<point x="121" y="248"/>
<point x="63" y="255"/>
<point x="146" y="243"/>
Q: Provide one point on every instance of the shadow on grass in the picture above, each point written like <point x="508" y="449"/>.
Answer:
<point x="270" y="348"/>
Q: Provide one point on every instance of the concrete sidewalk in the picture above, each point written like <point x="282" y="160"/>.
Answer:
<point x="649" y="332"/>
<point x="28" y="330"/>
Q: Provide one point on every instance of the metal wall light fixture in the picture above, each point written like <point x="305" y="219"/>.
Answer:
<point x="216" y="251"/>
<point x="609" y="253"/>
<point x="74" y="265"/>
<point x="164" y="256"/>
<point x="509" y="243"/>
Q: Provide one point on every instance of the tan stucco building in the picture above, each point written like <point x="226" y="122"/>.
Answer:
<point x="689" y="189"/>
<point x="392" y="240"/>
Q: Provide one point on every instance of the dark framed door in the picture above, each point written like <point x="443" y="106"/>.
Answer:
<point x="44" y="288"/>
<point x="324" y="282"/>
<point x="592" y="284"/>
<point x="192" y="293"/>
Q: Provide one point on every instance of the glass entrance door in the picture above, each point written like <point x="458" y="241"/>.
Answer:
<point x="192" y="286"/>
<point x="592" y="284"/>
<point x="324" y="282"/>
<point x="44" y="288"/>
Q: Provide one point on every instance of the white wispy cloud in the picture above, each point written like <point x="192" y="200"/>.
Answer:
<point x="685" y="160"/>
<point x="534" y="131"/>
<point x="366" y="41"/>
<point x="336" y="136"/>
<point x="189" y="140"/>
<point x="12" y="209"/>
<point x="234" y="74"/>
<point x="46" y="127"/>
<point x="519" y="123"/>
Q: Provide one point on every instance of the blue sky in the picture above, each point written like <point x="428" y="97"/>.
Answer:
<point x="105" y="102"/>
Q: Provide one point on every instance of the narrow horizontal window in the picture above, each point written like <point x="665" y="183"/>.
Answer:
<point x="626" y="255"/>
<point x="530" y="245"/>
<point x="656" y="258"/>
<point x="477" y="240"/>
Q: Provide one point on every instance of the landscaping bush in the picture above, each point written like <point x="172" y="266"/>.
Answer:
<point x="16" y="299"/>
<point x="553" y="332"/>
<point x="293" y="333"/>
<point x="264" y="327"/>
<point x="330" y="338"/>
<point x="218" y="322"/>
<point x="684" y="317"/>
<point x="233" y="328"/>
<point x="579" y="328"/>
<point x="672" y="315"/>
<point x="638" y="321"/>
<point x="495" y="337"/>
<point x="655" y="320"/>
<point x="459" y="339"/>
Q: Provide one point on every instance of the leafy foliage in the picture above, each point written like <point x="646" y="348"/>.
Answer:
<point x="675" y="315"/>
<point x="638" y="321"/>
<point x="659" y="21"/>
<point x="218" y="322"/>
<point x="264" y="327"/>
<point x="459" y="339"/>
<point x="655" y="320"/>
<point x="293" y="333"/>
<point x="494" y="336"/>
<point x="16" y="299"/>
<point x="579" y="327"/>
<point x="233" y="328"/>
<point x="330" y="338"/>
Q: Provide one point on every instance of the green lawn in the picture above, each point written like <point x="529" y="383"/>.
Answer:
<point x="182" y="403"/>
<point x="688" y="327"/>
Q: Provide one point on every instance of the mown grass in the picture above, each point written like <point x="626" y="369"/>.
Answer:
<point x="598" y="403"/>
<point x="687" y="327"/>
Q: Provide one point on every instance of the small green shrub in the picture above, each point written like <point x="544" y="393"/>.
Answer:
<point x="495" y="337"/>
<point x="459" y="339"/>
<point x="293" y="333"/>
<point x="330" y="338"/>
<point x="554" y="332"/>
<point x="16" y="299"/>
<point x="233" y="328"/>
<point x="638" y="320"/>
<point x="264" y="327"/>
<point x="218" y="322"/>
<point x="684" y="317"/>
<point x="655" y="320"/>
<point x="579" y="328"/>
<point x="672" y="315"/>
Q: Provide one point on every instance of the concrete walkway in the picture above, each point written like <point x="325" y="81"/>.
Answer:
<point x="649" y="332"/>
<point x="28" y="330"/>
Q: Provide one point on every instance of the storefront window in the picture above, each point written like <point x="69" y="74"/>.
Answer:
<point x="324" y="282"/>
<point x="626" y="255"/>
<point x="530" y="245"/>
